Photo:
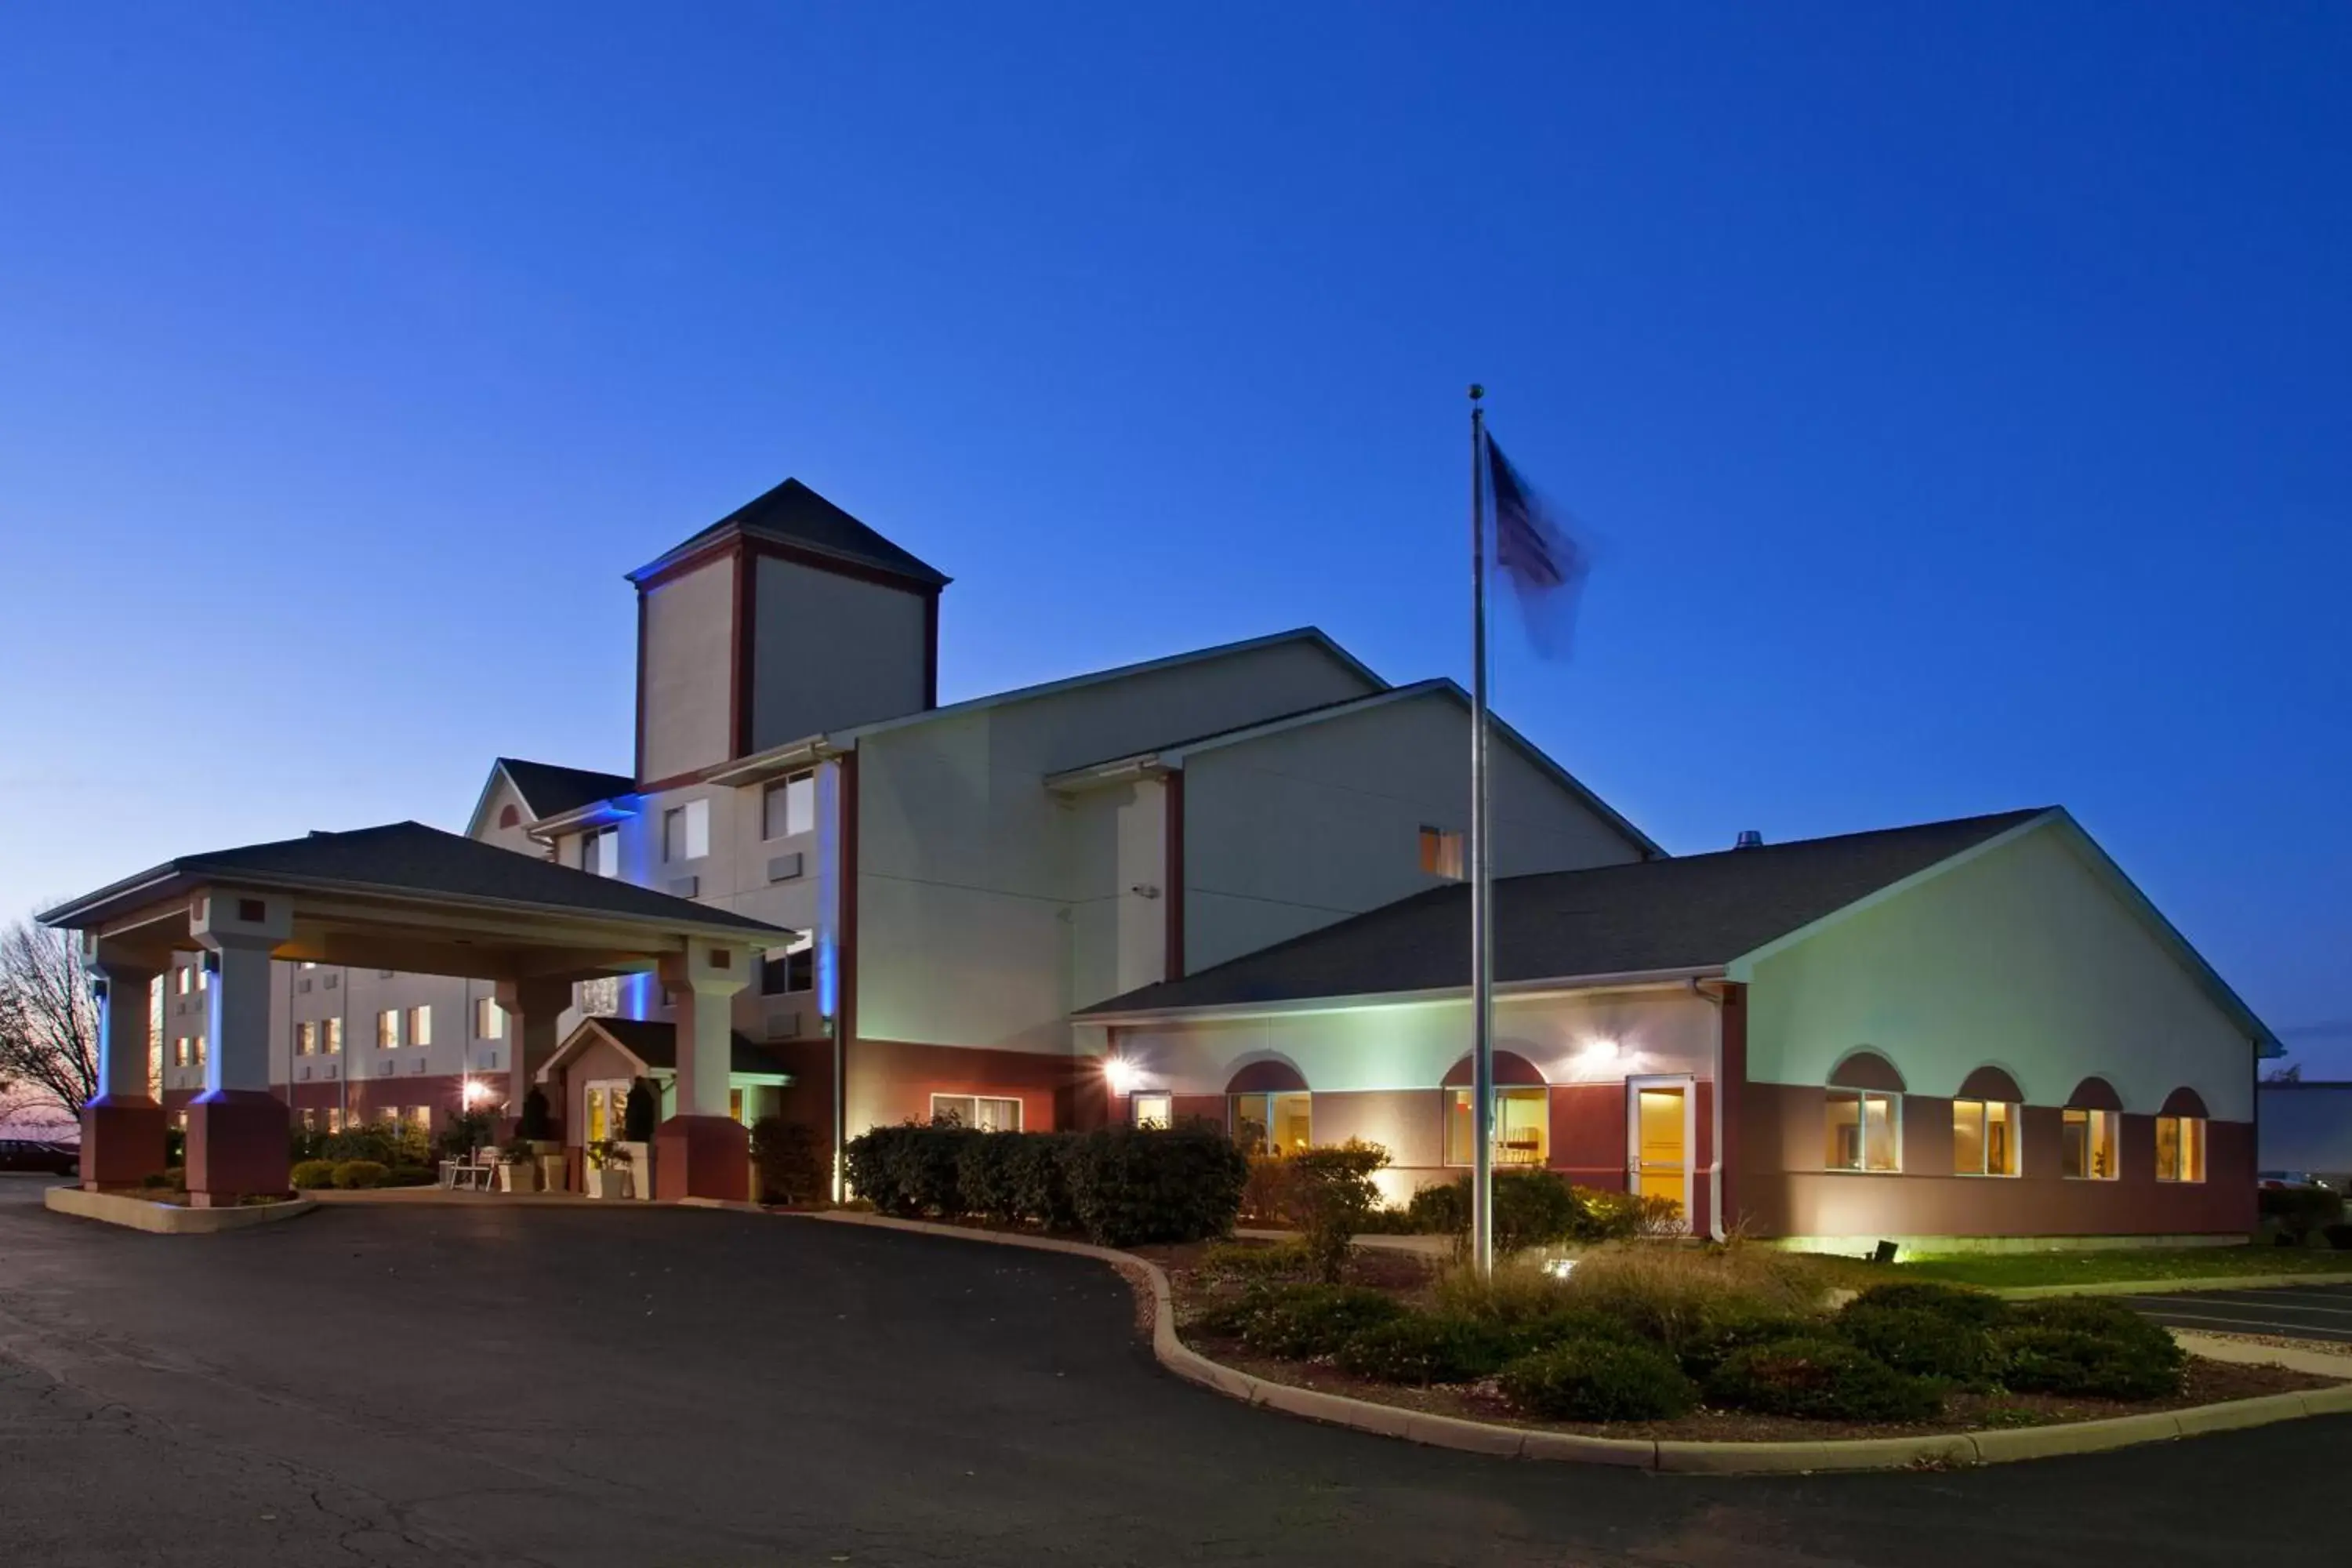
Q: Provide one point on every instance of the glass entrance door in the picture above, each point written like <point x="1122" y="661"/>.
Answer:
<point x="1660" y="1135"/>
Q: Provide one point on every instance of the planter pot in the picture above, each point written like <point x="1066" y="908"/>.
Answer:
<point x="641" y="1170"/>
<point x="517" y="1176"/>
<point x="552" y="1178"/>
<point x="610" y="1182"/>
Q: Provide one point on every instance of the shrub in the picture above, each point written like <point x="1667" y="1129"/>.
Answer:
<point x="1430" y="1347"/>
<point x="1441" y="1210"/>
<point x="1266" y="1191"/>
<point x="1136" y="1185"/>
<point x="1921" y="1342"/>
<point x="911" y="1169"/>
<point x="409" y="1176"/>
<point x="1514" y="1292"/>
<point x="2299" y="1211"/>
<point x="1303" y="1320"/>
<point x="308" y="1175"/>
<point x="791" y="1165"/>
<point x="1598" y="1380"/>
<point x="1734" y="1323"/>
<point x="2339" y="1236"/>
<point x="639" y="1113"/>
<point x="175" y="1147"/>
<point x="376" y="1141"/>
<point x="354" y="1173"/>
<point x="1604" y="1214"/>
<point x="2087" y="1345"/>
<point x="1329" y="1192"/>
<point x="1249" y="1260"/>
<point x="536" y="1122"/>
<point x="468" y="1130"/>
<point x="1821" y="1380"/>
<point x="1960" y="1303"/>
<point x="984" y="1176"/>
<point x="1041" y="1179"/>
<point x="1666" y="1292"/>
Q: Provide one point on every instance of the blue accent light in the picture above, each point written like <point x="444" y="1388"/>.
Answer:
<point x="637" y="998"/>
<point x="827" y="985"/>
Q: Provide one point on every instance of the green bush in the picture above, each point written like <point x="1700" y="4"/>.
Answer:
<point x="986" y="1182"/>
<point x="2338" y="1236"/>
<point x="350" y="1174"/>
<point x="1921" y="1342"/>
<point x="1329" y="1192"/>
<point x="639" y="1113"/>
<point x="1305" y="1321"/>
<point x="407" y="1175"/>
<point x="1539" y="1208"/>
<point x="1256" y="1260"/>
<point x="2088" y="1345"/>
<point x="1957" y="1303"/>
<point x="1135" y="1185"/>
<point x="789" y="1159"/>
<point x="911" y="1169"/>
<point x="1430" y="1347"/>
<point x="1041" y="1179"/>
<point x="308" y="1175"/>
<point x="1821" y="1380"/>
<point x="1725" y="1326"/>
<point x="376" y="1141"/>
<point x="536" y="1122"/>
<point x="1599" y="1380"/>
<point x="2299" y="1211"/>
<point x="1439" y="1210"/>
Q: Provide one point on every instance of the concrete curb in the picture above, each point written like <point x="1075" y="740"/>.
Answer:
<point x="2168" y="1287"/>
<point x="168" y="1219"/>
<point x="1946" y="1449"/>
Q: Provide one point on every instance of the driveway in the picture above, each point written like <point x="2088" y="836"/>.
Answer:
<point x="2302" y="1311"/>
<point x="631" y="1385"/>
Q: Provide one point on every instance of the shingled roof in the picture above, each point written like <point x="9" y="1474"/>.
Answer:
<point x="549" y="790"/>
<point x="654" y="1043"/>
<point x="1692" y="912"/>
<point x="796" y="515"/>
<point x="410" y="858"/>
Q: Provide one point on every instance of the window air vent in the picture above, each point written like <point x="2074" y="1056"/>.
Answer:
<point x="784" y="868"/>
<point x="685" y="887"/>
<point x="333" y="981"/>
<point x="303" y="987"/>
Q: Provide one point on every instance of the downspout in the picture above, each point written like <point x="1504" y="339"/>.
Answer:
<point x="1716" y="1229"/>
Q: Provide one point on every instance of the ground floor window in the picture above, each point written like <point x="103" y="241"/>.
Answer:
<point x="1984" y="1138"/>
<point x="2088" y="1145"/>
<point x="1522" y="1127"/>
<point x="1273" y="1123"/>
<point x="1151" y="1110"/>
<point x="976" y="1110"/>
<point x="1863" y="1132"/>
<point x="735" y="1104"/>
<point x="2179" y="1148"/>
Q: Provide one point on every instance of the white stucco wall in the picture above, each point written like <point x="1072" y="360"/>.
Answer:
<point x="831" y="651"/>
<point x="2022" y="958"/>
<point x="686" y="704"/>
<point x="1307" y="826"/>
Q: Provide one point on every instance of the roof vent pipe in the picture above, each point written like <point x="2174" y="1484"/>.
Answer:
<point x="1749" y="839"/>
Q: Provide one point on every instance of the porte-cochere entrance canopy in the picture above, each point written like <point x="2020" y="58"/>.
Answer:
<point x="407" y="897"/>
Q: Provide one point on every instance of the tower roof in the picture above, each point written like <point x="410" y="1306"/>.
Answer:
<point x="798" y="518"/>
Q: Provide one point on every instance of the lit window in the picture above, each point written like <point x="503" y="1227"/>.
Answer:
<point x="1441" y="853"/>
<point x="203" y="976"/>
<point x="199" y="1043"/>
<point x="387" y="1029"/>
<point x="686" y="831"/>
<point x="306" y="1039"/>
<point x="332" y="1037"/>
<point x="1522" y="1127"/>
<point x="187" y="979"/>
<point x="787" y="971"/>
<point x="2179" y="1148"/>
<point x="735" y="1103"/>
<point x="309" y="1119"/>
<point x="788" y="806"/>
<point x="1152" y="1110"/>
<point x="334" y="1118"/>
<point x="420" y="1026"/>
<point x="1984" y="1138"/>
<point x="1273" y="1123"/>
<point x="489" y="1019"/>
<point x="2088" y="1143"/>
<point x="419" y="1117"/>
<point x="976" y="1110"/>
<point x="1862" y="1132"/>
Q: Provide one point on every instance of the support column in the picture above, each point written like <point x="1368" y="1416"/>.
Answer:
<point x="237" y="1128"/>
<point x="534" y="1009"/>
<point x="121" y="1127"/>
<point x="702" y="1151"/>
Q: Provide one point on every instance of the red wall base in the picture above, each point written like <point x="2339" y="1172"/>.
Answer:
<point x="702" y="1157"/>
<point x="237" y="1147"/>
<point x="121" y="1141"/>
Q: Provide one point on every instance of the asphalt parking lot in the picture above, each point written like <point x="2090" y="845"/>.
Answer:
<point x="606" y="1385"/>
<point x="2302" y="1311"/>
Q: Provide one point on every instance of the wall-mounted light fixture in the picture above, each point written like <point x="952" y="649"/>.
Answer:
<point x="1121" y="1074"/>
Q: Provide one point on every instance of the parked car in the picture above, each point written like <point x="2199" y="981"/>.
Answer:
<point x="40" y="1154"/>
<point x="2280" y="1180"/>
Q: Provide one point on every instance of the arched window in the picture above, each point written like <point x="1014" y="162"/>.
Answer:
<point x="510" y="815"/>
<point x="1988" y="1123"/>
<point x="2180" y="1137"/>
<point x="1522" y="1130"/>
<point x="1270" y="1108"/>
<point x="2091" y="1130"/>
<point x="1865" y="1115"/>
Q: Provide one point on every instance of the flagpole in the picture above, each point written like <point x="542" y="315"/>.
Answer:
<point x="1482" y="936"/>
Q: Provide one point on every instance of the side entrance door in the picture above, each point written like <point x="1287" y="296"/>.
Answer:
<point x="1658" y="1138"/>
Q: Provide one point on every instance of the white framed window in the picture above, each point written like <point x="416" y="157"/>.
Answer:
<point x="686" y="831"/>
<point x="331" y="1036"/>
<point x="1522" y="1126"/>
<point x="2179" y="1148"/>
<point x="489" y="1019"/>
<point x="306" y="1039"/>
<point x="599" y="852"/>
<point x="2087" y="1145"/>
<point x="788" y="806"/>
<point x="1152" y="1109"/>
<point x="420" y="1026"/>
<point x="1441" y="853"/>
<point x="1865" y="1128"/>
<point x="980" y="1111"/>
<point x="1273" y="1123"/>
<point x="789" y="971"/>
<point x="1985" y="1137"/>
<point x="387" y="1029"/>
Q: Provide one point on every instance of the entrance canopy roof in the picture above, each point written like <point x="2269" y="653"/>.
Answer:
<point x="408" y="896"/>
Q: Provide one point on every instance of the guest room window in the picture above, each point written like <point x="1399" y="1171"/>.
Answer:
<point x="420" y="1026"/>
<point x="1441" y="853"/>
<point x="1273" y="1123"/>
<point x="387" y="1029"/>
<point x="1984" y="1138"/>
<point x="686" y="831"/>
<point x="789" y="971"/>
<point x="332" y="1037"/>
<point x="306" y="1039"/>
<point x="2087" y="1142"/>
<point x="1862" y="1132"/>
<point x="490" y="1018"/>
<point x="1152" y="1110"/>
<point x="789" y="807"/>
<point x="1522" y="1127"/>
<point x="976" y="1110"/>
<point x="599" y="852"/>
<point x="2179" y="1148"/>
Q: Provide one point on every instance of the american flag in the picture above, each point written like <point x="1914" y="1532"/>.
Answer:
<point x="1546" y="563"/>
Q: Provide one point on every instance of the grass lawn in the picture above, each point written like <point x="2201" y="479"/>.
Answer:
<point x="2017" y="1268"/>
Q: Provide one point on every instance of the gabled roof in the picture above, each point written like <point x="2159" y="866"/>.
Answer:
<point x="655" y="1044"/>
<point x="410" y="859"/>
<point x="549" y="790"/>
<point x="1173" y="753"/>
<point x="795" y="515"/>
<point x="1684" y="913"/>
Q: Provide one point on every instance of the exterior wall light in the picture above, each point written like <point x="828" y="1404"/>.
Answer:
<point x="1121" y="1074"/>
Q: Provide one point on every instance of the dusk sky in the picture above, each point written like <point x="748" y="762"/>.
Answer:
<point x="1962" y="392"/>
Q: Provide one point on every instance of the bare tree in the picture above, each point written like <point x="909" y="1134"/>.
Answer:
<point x="48" y="1024"/>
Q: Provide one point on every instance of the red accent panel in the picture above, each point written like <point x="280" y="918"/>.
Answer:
<point x="2183" y="1101"/>
<point x="1512" y="1070"/>
<point x="1587" y="1133"/>
<point x="1267" y="1078"/>
<point x="702" y="1157"/>
<point x="1866" y="1069"/>
<point x="121" y="1141"/>
<point x="1172" y="892"/>
<point x="893" y="1080"/>
<point x="1991" y="1083"/>
<point x="237" y="1147"/>
<point x="2095" y="1093"/>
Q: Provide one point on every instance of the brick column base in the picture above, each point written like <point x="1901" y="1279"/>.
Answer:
<point x="237" y="1147"/>
<point x="121" y="1141"/>
<point x="702" y="1157"/>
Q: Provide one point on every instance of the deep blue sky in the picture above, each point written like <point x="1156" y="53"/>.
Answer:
<point x="1962" y="390"/>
